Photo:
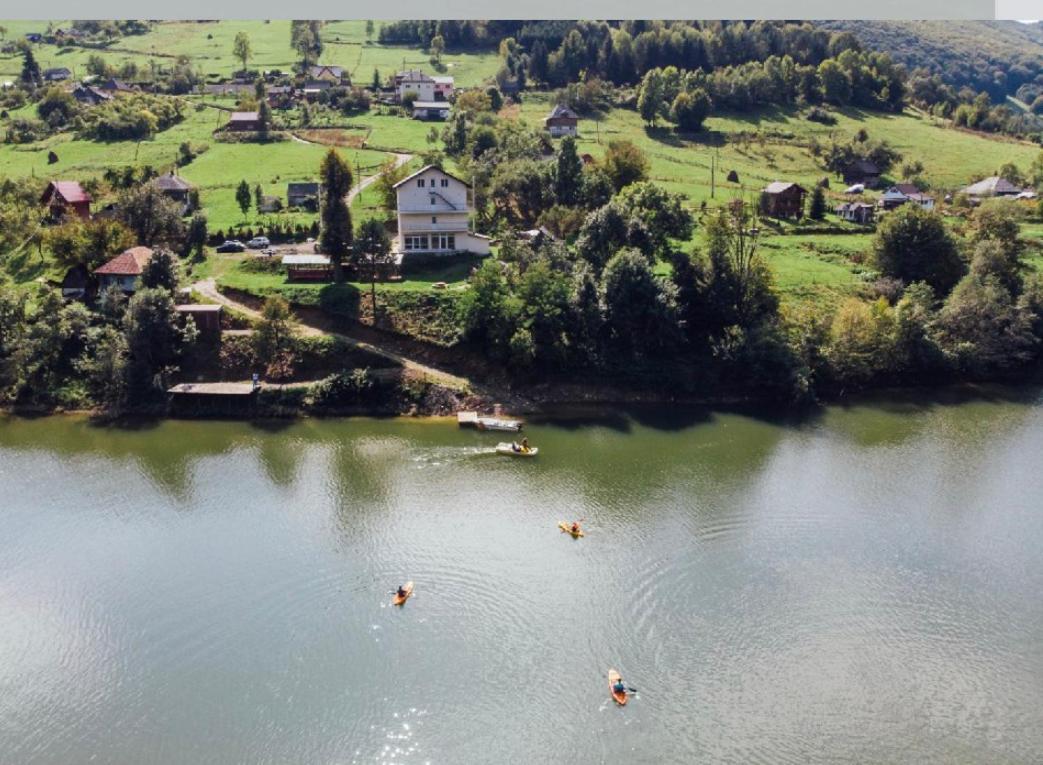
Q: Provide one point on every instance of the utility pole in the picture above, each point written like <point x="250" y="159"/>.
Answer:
<point x="358" y="171"/>
<point x="713" y="175"/>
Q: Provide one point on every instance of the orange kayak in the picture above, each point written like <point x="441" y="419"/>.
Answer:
<point x="620" y="697"/>
<point x="398" y="600"/>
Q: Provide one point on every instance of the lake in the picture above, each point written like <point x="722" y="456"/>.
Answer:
<point x="862" y="584"/>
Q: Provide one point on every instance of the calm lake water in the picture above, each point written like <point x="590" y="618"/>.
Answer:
<point x="860" y="586"/>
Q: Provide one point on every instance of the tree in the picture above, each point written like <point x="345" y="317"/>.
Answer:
<point x="861" y="342"/>
<point x="488" y="310"/>
<point x="544" y="312"/>
<point x="305" y="38"/>
<point x="836" y="82"/>
<point x="913" y="244"/>
<point x="336" y="234"/>
<point x="640" y="311"/>
<point x="152" y="216"/>
<point x="437" y="47"/>
<point x="982" y="330"/>
<point x="160" y="272"/>
<point x="242" y="196"/>
<point x="740" y="289"/>
<point x="57" y="107"/>
<point x="103" y="364"/>
<point x="274" y="341"/>
<point x="568" y="173"/>
<point x="1010" y="172"/>
<point x="817" y="206"/>
<point x="258" y="197"/>
<point x="372" y="241"/>
<point x="663" y="213"/>
<point x="196" y="236"/>
<point x="390" y="174"/>
<point x="369" y="29"/>
<point x="88" y="243"/>
<point x="624" y="163"/>
<point x="264" y="117"/>
<point x="376" y="80"/>
<point x="690" y="110"/>
<point x="650" y="97"/>
<point x="155" y="340"/>
<point x="608" y="230"/>
<point x="241" y="48"/>
<point x="31" y="75"/>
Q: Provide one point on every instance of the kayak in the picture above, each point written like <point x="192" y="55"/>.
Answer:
<point x="398" y="600"/>
<point x="508" y="449"/>
<point x="620" y="698"/>
<point x="567" y="528"/>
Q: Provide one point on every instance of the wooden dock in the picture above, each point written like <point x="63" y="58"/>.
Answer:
<point x="213" y="389"/>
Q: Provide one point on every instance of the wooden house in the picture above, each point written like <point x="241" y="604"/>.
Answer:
<point x="244" y="121"/>
<point x="63" y="197"/>
<point x="783" y="200"/>
<point x="561" y="121"/>
<point x="862" y="171"/>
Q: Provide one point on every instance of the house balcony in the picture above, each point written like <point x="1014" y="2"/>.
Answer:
<point x="419" y="227"/>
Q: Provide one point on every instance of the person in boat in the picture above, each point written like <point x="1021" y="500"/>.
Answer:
<point x="575" y="527"/>
<point x="618" y="687"/>
<point x="525" y="444"/>
<point x="401" y="592"/>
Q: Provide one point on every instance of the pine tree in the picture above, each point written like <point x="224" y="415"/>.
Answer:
<point x="817" y="207"/>
<point x="242" y="197"/>
<point x="335" y="239"/>
<point x="568" y="176"/>
<point x="30" y="69"/>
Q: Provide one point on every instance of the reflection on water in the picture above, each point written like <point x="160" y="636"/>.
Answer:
<point x="859" y="585"/>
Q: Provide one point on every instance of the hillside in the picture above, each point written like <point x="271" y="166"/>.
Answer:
<point x="997" y="56"/>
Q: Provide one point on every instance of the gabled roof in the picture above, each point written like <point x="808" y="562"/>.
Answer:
<point x="414" y="75"/>
<point x="432" y="105"/>
<point x="113" y="84"/>
<point x="423" y="170"/>
<point x="992" y="186"/>
<point x="57" y="73"/>
<point x="445" y="80"/>
<point x="171" y="182"/>
<point x="303" y="187"/>
<point x="562" y="112"/>
<point x="319" y="69"/>
<point x="128" y="263"/>
<point x="907" y="188"/>
<point x="243" y="117"/>
<point x="777" y="187"/>
<point x="69" y="191"/>
<point x="317" y="85"/>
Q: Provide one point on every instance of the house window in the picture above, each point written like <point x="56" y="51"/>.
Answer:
<point x="445" y="183"/>
<point x="416" y="242"/>
<point x="434" y="219"/>
<point x="432" y="199"/>
<point x="420" y="183"/>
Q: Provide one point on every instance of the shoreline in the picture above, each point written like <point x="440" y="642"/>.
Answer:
<point x="551" y="409"/>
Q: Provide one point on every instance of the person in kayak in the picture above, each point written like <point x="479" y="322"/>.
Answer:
<point x="401" y="592"/>
<point x="575" y="527"/>
<point x="619" y="687"/>
<point x="525" y="445"/>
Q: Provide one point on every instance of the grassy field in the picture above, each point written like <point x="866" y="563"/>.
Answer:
<point x="773" y="145"/>
<point x="209" y="45"/>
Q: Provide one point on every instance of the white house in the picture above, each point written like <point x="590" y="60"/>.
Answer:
<point x="433" y="215"/>
<point x="898" y="195"/>
<point x="423" y="86"/>
<point x="561" y="121"/>
<point x="125" y="269"/>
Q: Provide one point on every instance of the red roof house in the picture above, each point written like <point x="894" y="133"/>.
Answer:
<point x="125" y="269"/>
<point x="61" y="196"/>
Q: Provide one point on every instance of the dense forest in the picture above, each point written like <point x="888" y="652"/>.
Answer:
<point x="1000" y="57"/>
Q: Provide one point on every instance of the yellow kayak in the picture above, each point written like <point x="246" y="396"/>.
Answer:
<point x="514" y="450"/>
<point x="567" y="528"/>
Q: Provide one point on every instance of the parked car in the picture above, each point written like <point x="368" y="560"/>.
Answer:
<point x="258" y="243"/>
<point x="231" y="245"/>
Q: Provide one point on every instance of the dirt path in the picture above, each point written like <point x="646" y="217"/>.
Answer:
<point x="208" y="288"/>
<point x="400" y="159"/>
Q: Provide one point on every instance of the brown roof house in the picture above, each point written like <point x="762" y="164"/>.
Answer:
<point x="862" y="171"/>
<point x="783" y="200"/>
<point x="176" y="188"/>
<point x="244" y="121"/>
<point x="63" y="197"/>
<point x="124" y="270"/>
<point x="89" y="95"/>
<point x="561" y="121"/>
